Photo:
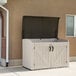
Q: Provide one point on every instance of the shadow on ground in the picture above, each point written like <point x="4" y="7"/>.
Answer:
<point x="13" y="69"/>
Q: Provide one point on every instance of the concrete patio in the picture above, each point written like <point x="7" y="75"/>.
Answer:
<point x="20" y="71"/>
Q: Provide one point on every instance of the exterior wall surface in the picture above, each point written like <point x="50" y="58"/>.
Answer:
<point x="52" y="8"/>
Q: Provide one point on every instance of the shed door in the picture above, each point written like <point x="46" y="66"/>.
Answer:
<point x="41" y="55"/>
<point x="58" y="55"/>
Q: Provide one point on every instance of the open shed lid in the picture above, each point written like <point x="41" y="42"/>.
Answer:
<point x="40" y="27"/>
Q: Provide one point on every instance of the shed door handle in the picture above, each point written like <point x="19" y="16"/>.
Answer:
<point x="50" y="48"/>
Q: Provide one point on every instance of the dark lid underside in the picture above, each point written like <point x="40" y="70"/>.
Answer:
<point x="39" y="27"/>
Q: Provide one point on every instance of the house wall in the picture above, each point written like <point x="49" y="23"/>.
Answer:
<point x="3" y="33"/>
<point x="54" y="8"/>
